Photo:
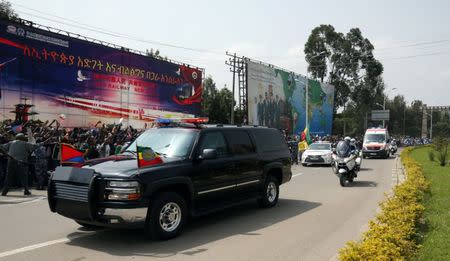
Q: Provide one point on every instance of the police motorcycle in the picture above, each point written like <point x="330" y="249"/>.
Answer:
<point x="393" y="147"/>
<point x="344" y="162"/>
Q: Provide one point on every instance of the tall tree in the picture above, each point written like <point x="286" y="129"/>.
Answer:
<point x="6" y="11"/>
<point x="208" y="95"/>
<point x="347" y="62"/>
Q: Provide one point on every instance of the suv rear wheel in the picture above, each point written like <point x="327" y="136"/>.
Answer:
<point x="270" y="193"/>
<point x="166" y="216"/>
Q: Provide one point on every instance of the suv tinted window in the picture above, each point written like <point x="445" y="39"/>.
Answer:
<point x="240" y="142"/>
<point x="214" y="140"/>
<point x="269" y="139"/>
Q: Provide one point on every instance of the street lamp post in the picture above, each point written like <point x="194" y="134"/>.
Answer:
<point x="431" y="123"/>
<point x="384" y="103"/>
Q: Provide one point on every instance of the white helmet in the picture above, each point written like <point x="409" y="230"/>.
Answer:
<point x="347" y="138"/>
<point x="353" y="140"/>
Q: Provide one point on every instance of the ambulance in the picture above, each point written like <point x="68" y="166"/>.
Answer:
<point x="376" y="143"/>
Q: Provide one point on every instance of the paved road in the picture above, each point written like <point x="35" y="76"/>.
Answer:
<point x="314" y="218"/>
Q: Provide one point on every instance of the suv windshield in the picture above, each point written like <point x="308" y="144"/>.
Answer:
<point x="166" y="141"/>
<point x="375" y="138"/>
<point x="318" y="146"/>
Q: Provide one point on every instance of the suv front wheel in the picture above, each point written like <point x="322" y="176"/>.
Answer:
<point x="166" y="216"/>
<point x="270" y="193"/>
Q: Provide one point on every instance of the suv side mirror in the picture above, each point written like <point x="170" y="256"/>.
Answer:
<point x="208" y="154"/>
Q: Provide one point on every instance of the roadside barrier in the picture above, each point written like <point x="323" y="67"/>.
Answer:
<point x="392" y="234"/>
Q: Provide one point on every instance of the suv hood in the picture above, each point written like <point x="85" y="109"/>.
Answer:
<point x="118" y="165"/>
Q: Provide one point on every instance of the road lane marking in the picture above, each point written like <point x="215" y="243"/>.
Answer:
<point x="44" y="244"/>
<point x="296" y="175"/>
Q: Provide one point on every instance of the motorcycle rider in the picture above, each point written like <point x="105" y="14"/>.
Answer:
<point x="355" y="148"/>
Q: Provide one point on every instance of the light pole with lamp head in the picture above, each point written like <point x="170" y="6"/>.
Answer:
<point x="431" y="123"/>
<point x="384" y="103"/>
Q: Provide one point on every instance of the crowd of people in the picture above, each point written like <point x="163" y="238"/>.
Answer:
<point x="29" y="150"/>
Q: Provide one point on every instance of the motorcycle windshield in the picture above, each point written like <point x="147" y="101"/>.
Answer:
<point x="343" y="149"/>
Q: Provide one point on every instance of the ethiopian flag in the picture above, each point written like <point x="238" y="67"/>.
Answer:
<point x="147" y="157"/>
<point x="305" y="135"/>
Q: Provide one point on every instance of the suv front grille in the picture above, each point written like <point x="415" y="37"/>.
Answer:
<point x="71" y="191"/>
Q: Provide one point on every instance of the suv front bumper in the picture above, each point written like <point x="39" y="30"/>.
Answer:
<point x="78" y="194"/>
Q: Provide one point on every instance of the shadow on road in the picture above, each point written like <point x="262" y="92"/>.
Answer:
<point x="366" y="169"/>
<point x="243" y="220"/>
<point x="364" y="184"/>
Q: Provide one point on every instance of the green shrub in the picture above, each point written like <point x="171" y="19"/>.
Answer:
<point x="392" y="234"/>
<point x="431" y="155"/>
<point x="441" y="146"/>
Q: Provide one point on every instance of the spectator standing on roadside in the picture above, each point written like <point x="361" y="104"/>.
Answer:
<point x="18" y="150"/>
<point x="302" y="146"/>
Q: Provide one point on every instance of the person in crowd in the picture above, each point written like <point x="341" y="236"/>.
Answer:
<point x="18" y="152"/>
<point x="302" y="146"/>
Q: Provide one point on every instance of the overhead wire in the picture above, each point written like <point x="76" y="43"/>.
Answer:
<point x="104" y="31"/>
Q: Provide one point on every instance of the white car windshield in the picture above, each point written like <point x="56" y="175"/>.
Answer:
<point x="318" y="146"/>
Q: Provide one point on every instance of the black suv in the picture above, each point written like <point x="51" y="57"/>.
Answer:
<point x="203" y="169"/>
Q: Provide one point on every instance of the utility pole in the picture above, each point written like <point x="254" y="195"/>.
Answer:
<point x="404" y="119"/>
<point x="431" y="125"/>
<point x="232" y="63"/>
<point x="384" y="108"/>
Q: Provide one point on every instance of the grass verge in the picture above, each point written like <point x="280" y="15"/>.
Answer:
<point x="436" y="233"/>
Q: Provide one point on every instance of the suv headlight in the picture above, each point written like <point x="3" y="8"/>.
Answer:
<point x="122" y="184"/>
<point x="122" y="190"/>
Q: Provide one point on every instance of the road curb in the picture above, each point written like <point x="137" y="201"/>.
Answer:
<point x="16" y="200"/>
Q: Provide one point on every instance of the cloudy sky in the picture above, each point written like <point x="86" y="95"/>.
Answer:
<point x="411" y="38"/>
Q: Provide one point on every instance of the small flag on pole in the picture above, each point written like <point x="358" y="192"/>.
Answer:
<point x="147" y="157"/>
<point x="70" y="155"/>
<point x="17" y="128"/>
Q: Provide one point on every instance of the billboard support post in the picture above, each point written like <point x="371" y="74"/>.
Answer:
<point x="232" y="63"/>
<point x="238" y="65"/>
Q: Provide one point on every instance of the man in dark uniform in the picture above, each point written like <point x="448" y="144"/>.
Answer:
<point x="41" y="166"/>
<point x="18" y="151"/>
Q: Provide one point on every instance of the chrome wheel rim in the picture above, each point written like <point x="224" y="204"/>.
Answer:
<point x="271" y="191"/>
<point x="170" y="217"/>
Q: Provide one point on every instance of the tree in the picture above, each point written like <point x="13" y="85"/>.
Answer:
<point x="7" y="12"/>
<point x="208" y="95"/>
<point x="221" y="109"/>
<point x="347" y="62"/>
<point x="216" y="104"/>
<point x="155" y="54"/>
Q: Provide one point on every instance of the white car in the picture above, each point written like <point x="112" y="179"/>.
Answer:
<point x="317" y="153"/>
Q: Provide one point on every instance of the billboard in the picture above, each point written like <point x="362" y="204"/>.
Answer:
<point x="87" y="82"/>
<point x="276" y="98"/>
<point x="380" y="115"/>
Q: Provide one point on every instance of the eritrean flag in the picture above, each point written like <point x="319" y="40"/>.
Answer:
<point x="147" y="157"/>
<point x="70" y="155"/>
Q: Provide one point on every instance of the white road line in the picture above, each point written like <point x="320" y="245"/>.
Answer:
<point x="296" y="175"/>
<point x="44" y="244"/>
